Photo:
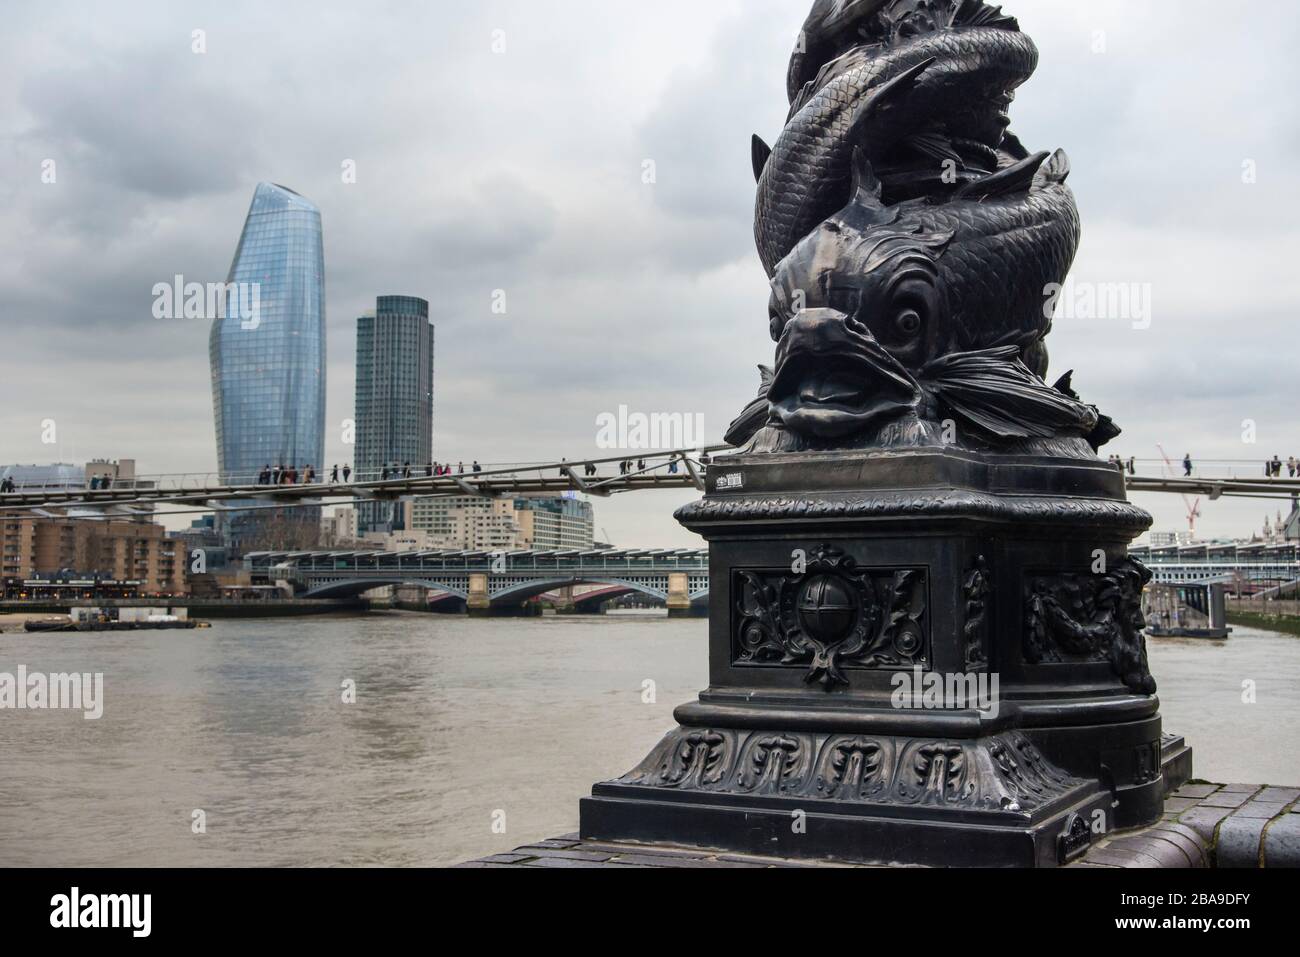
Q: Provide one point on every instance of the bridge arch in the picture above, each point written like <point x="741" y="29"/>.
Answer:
<point x="351" y="588"/>
<point x="522" y="591"/>
<point x="507" y="591"/>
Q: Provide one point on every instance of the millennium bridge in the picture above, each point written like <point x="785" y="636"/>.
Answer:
<point x="495" y="582"/>
<point x="477" y="580"/>
<point x="681" y="469"/>
<point x="208" y="492"/>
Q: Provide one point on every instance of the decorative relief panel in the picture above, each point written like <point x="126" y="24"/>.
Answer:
<point x="1073" y="618"/>
<point x="977" y="587"/>
<point x="831" y="617"/>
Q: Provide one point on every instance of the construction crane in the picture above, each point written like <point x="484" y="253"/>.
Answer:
<point x="1193" y="505"/>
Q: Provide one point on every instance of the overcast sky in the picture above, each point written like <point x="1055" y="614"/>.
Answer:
<point x="522" y="170"/>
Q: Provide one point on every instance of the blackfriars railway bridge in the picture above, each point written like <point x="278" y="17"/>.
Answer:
<point x="1259" y="568"/>
<point x="502" y="582"/>
<point x="495" y="582"/>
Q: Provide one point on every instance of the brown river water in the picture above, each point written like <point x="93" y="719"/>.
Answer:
<point x="467" y="737"/>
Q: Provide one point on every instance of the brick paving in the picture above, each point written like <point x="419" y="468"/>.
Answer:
<point x="1204" y="825"/>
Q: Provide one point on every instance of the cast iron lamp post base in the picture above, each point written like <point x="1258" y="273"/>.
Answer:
<point x="921" y="657"/>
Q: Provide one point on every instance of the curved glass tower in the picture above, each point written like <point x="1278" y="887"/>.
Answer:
<point x="268" y="363"/>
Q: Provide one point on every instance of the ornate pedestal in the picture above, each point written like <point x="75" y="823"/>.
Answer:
<point x="922" y="657"/>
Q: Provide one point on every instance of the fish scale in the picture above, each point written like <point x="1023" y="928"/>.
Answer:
<point x="806" y="179"/>
<point x="1012" y="247"/>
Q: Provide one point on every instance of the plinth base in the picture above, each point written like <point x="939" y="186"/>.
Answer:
<point x="991" y="802"/>
<point x="920" y="657"/>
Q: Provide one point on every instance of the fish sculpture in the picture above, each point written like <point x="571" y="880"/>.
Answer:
<point x="912" y="242"/>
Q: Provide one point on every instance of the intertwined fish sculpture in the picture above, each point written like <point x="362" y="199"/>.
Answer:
<point x="912" y="242"/>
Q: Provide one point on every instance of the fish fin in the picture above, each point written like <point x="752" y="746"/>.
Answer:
<point x="1012" y="146"/>
<point x="761" y="153"/>
<point x="840" y="13"/>
<point x="976" y="13"/>
<point x="887" y="93"/>
<point x="996" y="394"/>
<point x="800" y="100"/>
<point x="1055" y="170"/>
<point x="866" y="185"/>
<point x="1007" y="182"/>
<point x="1105" y="432"/>
<point x="823" y="76"/>
<point x="751" y="421"/>
<point x="934" y="145"/>
<point x="867" y="188"/>
<point x="937" y="243"/>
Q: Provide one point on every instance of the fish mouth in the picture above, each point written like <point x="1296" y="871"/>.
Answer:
<point x="833" y="380"/>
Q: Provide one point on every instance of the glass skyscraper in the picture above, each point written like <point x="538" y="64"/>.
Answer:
<point x="268" y="370"/>
<point x="268" y="373"/>
<point x="394" y="400"/>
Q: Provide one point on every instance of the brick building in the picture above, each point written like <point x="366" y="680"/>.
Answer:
<point x="125" y="551"/>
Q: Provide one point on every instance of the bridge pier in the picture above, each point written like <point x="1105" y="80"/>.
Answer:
<point x="565" y="603"/>
<point x="479" y="604"/>
<point x="679" y="596"/>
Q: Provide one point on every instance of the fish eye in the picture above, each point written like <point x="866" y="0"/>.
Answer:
<point x="776" y="316"/>
<point x="908" y="322"/>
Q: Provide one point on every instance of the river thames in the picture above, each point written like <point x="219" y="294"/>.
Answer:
<point x="460" y="727"/>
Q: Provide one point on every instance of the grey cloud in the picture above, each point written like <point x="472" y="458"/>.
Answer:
<point x="522" y="171"/>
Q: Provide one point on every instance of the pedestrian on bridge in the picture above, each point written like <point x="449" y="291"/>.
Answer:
<point x="1291" y="466"/>
<point x="477" y="467"/>
<point x="1187" y="465"/>
<point x="383" y="475"/>
<point x="406" y="470"/>
<point x="431" y="468"/>
<point x="460" y="468"/>
<point x="347" y="474"/>
<point x="334" y="475"/>
<point x="310" y="477"/>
